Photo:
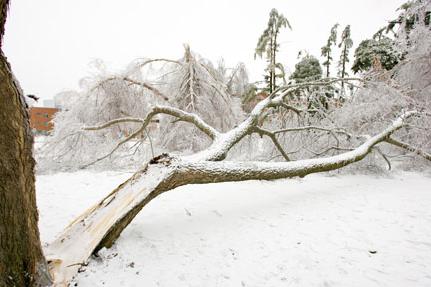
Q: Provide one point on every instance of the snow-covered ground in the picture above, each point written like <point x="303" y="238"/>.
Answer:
<point x="322" y="230"/>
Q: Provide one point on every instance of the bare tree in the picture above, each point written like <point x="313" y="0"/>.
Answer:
<point x="190" y="83"/>
<point x="101" y="225"/>
<point x="21" y="258"/>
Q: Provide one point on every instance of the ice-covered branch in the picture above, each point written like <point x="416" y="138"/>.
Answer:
<point x="328" y="149"/>
<point x="219" y="149"/>
<point x="223" y="142"/>
<point x="179" y="114"/>
<point x="408" y="147"/>
<point x="274" y="139"/>
<point x="101" y="225"/>
<point x="286" y="90"/>
<point x="379" y="151"/>
<point x="307" y="128"/>
<point x="113" y="122"/>
<point x="146" y="62"/>
<point x="142" y="84"/>
<point x="233" y="171"/>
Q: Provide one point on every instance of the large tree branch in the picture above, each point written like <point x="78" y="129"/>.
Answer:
<point x="179" y="114"/>
<point x="167" y="110"/>
<point x="233" y="171"/>
<point x="219" y="149"/>
<point x="101" y="225"/>
<point x="408" y="147"/>
<point x="222" y="143"/>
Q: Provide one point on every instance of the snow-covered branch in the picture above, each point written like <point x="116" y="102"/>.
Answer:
<point x="233" y="171"/>
<point x="179" y="114"/>
<point x="219" y="149"/>
<point x="408" y="147"/>
<point x="101" y="225"/>
<point x="167" y="110"/>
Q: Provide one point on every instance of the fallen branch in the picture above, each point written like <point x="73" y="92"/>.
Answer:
<point x="101" y="225"/>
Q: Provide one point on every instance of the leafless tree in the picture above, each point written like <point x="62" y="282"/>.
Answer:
<point x="101" y="225"/>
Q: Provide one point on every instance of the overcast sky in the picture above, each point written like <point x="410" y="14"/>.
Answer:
<point x="51" y="42"/>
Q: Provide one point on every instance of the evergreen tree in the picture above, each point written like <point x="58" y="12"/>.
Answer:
<point x="307" y="69"/>
<point x="326" y="50"/>
<point x="383" y="49"/>
<point x="268" y="45"/>
<point x="345" y="45"/>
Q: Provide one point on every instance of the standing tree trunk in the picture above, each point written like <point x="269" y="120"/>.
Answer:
<point x="271" y="68"/>
<point x="328" y="59"/>
<point x="274" y="51"/>
<point x="21" y="259"/>
<point x="343" y="68"/>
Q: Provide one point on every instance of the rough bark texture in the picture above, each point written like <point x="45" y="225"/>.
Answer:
<point x="21" y="259"/>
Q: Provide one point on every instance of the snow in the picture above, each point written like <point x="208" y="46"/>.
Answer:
<point x="344" y="230"/>
<point x="61" y="197"/>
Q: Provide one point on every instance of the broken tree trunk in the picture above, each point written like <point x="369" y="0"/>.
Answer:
<point x="101" y="225"/>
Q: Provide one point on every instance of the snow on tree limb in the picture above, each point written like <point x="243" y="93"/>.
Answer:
<point x="222" y="143"/>
<point x="167" y="110"/>
<point x="101" y="225"/>
<point x="179" y="114"/>
<point x="408" y="147"/>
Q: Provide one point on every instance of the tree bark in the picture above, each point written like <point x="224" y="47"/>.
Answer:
<point x="21" y="259"/>
<point x="328" y="61"/>
<point x="343" y="69"/>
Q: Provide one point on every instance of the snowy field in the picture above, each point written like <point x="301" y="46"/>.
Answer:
<point x="322" y="230"/>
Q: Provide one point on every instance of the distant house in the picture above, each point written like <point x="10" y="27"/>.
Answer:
<point x="41" y="119"/>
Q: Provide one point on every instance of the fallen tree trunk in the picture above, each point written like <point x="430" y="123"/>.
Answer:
<point x="101" y="225"/>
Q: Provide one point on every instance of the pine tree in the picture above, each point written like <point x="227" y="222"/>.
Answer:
<point x="268" y="44"/>
<point x="384" y="49"/>
<point x="326" y="50"/>
<point x="307" y="69"/>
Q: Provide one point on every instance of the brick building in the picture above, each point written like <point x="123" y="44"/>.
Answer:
<point x="41" y="119"/>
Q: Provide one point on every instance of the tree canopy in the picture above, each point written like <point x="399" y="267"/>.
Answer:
<point x="307" y="69"/>
<point x="267" y="46"/>
<point x="384" y="50"/>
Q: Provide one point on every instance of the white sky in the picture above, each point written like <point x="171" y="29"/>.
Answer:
<point x="51" y="42"/>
